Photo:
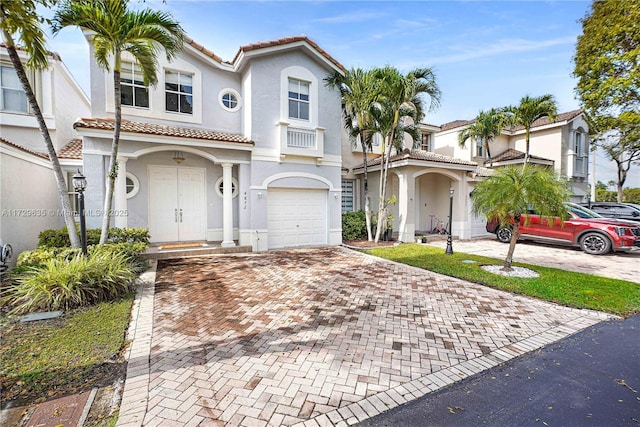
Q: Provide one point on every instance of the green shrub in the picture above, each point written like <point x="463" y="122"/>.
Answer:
<point x="354" y="225"/>
<point x="60" y="238"/>
<point x="62" y="284"/>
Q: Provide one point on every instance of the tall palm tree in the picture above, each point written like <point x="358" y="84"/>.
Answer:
<point x="403" y="97"/>
<point x="528" y="111"/>
<point x="487" y="126"/>
<point x="20" y="18"/>
<point x="359" y="91"/>
<point x="512" y="191"/>
<point x="116" y="29"/>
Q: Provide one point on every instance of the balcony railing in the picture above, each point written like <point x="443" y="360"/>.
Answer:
<point x="301" y="138"/>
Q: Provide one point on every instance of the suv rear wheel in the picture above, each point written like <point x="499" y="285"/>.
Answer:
<point x="504" y="234"/>
<point x="595" y="244"/>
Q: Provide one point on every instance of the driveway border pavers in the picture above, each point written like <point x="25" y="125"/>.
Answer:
<point x="135" y="399"/>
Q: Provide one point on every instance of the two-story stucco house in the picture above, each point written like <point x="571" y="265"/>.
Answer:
<point x="241" y="152"/>
<point x="422" y="176"/>
<point x="28" y="192"/>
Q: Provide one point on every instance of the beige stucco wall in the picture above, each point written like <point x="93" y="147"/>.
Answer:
<point x="26" y="209"/>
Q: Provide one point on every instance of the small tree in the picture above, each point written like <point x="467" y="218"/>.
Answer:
<point x="512" y="191"/>
<point x="117" y="29"/>
<point x="486" y="127"/>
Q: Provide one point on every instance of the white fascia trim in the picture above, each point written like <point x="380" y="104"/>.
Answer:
<point x="537" y="128"/>
<point x="22" y="155"/>
<point x="422" y="164"/>
<point x="274" y="177"/>
<point x="136" y="154"/>
<point x="222" y="66"/>
<point x="161" y="139"/>
<point x="71" y="162"/>
<point x="239" y="63"/>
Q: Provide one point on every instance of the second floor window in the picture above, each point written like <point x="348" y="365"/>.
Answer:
<point x="179" y="92"/>
<point x="426" y="142"/>
<point x="12" y="96"/>
<point x="133" y="90"/>
<point x="298" y="99"/>
<point x="480" y="152"/>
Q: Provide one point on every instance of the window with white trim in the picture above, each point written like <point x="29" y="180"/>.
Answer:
<point x="480" y="151"/>
<point x="298" y="99"/>
<point x="12" y="96"/>
<point x="133" y="91"/>
<point x="132" y="185"/>
<point x="580" y="152"/>
<point x="347" y="196"/>
<point x="178" y="92"/>
<point x="229" y="99"/>
<point x="425" y="144"/>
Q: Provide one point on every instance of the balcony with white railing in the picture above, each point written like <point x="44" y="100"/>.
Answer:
<point x="296" y="141"/>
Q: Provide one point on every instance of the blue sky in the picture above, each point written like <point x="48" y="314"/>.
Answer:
<point x="484" y="53"/>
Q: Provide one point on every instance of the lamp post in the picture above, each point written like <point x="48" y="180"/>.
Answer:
<point x="449" y="250"/>
<point x="80" y="184"/>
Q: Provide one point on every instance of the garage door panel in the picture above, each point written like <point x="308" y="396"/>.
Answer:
<point x="297" y="217"/>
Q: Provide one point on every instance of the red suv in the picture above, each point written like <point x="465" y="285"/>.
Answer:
<point x="594" y="234"/>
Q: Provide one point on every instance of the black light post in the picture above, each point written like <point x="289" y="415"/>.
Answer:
<point x="449" y="250"/>
<point x="80" y="184"/>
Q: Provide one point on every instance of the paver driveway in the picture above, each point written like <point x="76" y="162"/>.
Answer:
<point x="317" y="336"/>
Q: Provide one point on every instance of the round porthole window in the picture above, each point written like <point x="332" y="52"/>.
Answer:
<point x="234" y="187"/>
<point x="229" y="99"/>
<point x="132" y="185"/>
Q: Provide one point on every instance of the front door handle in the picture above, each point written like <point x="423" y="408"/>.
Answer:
<point x="180" y="215"/>
<point x="175" y="214"/>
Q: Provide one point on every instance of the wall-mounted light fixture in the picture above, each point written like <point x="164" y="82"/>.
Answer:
<point x="259" y="195"/>
<point x="178" y="157"/>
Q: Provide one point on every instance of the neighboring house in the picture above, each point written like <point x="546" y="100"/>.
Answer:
<point x="422" y="175"/>
<point x="244" y="151"/>
<point x="28" y="193"/>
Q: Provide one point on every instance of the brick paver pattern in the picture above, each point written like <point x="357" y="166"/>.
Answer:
<point x="324" y="336"/>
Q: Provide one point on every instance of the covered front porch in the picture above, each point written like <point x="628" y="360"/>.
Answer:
<point x="424" y="184"/>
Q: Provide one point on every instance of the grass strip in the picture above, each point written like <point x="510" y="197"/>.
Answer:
<point x="45" y="359"/>
<point x="568" y="288"/>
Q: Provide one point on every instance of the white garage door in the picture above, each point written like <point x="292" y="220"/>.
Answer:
<point x="297" y="217"/>
<point x="478" y="226"/>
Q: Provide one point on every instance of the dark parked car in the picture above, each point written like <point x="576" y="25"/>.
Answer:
<point x="592" y="232"/>
<point x="628" y="211"/>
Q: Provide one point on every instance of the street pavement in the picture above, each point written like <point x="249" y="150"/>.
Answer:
<point x="588" y="379"/>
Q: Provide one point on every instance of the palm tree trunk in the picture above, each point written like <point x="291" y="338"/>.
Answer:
<point x="44" y="131"/>
<point x="486" y="146"/>
<point x="367" y="201"/>
<point x="384" y="173"/>
<point x="526" y="153"/>
<point x="113" y="160"/>
<point x="512" y="244"/>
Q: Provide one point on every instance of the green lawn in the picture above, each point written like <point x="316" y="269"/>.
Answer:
<point x="563" y="287"/>
<point x="45" y="359"/>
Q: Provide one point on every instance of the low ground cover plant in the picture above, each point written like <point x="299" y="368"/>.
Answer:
<point x="559" y="286"/>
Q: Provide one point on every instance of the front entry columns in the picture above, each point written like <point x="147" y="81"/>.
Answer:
<point x="120" y="195"/>
<point x="406" y="207"/>
<point x="227" y="205"/>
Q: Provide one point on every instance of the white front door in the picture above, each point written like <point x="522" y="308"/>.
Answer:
<point x="177" y="206"/>
<point x="297" y="217"/>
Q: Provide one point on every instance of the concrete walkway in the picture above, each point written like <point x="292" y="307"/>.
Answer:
<point x="322" y="336"/>
<point x="619" y="265"/>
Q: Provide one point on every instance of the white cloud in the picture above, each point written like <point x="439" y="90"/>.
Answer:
<point x="349" y="18"/>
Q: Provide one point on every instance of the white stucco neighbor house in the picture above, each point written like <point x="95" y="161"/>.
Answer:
<point x="28" y="193"/>
<point x="421" y="177"/>
<point x="241" y="152"/>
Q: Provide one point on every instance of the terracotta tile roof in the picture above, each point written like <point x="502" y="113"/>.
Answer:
<point x="202" y="49"/>
<point x="419" y="155"/>
<point x="455" y="124"/>
<point x="154" y="129"/>
<point x="25" y="149"/>
<point x="569" y="115"/>
<point x="73" y="150"/>
<point x="512" y="154"/>
<point x="285" y="41"/>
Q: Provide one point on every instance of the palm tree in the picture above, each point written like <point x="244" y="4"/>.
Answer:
<point x="20" y="18"/>
<point x="486" y="127"/>
<point x="359" y="91"/>
<point x="513" y="191"/>
<point x="528" y="111"/>
<point x="403" y="97"/>
<point x="115" y="30"/>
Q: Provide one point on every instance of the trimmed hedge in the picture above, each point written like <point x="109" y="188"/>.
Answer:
<point x="354" y="225"/>
<point x="60" y="238"/>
